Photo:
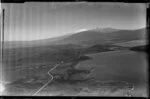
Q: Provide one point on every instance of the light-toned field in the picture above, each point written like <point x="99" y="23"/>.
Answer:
<point x="125" y="65"/>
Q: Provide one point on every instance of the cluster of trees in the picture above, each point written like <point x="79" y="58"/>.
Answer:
<point x="139" y="48"/>
<point x="71" y="75"/>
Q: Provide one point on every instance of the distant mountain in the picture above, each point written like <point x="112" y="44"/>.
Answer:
<point x="86" y="37"/>
<point x="102" y="36"/>
<point x="34" y="43"/>
<point x="105" y="30"/>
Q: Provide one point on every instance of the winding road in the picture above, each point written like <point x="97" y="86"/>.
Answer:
<point x="49" y="73"/>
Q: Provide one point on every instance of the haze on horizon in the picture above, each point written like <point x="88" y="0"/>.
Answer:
<point x="33" y="21"/>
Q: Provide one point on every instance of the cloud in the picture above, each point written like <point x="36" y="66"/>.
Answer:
<point x="81" y="30"/>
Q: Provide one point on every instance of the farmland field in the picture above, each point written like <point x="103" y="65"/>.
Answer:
<point x="125" y="65"/>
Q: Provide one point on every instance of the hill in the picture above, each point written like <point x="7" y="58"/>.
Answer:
<point x="97" y="37"/>
<point x="87" y="37"/>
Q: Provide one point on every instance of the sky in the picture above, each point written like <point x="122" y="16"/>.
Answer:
<point x="33" y="21"/>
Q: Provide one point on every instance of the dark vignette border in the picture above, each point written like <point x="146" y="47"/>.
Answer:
<point x="73" y="97"/>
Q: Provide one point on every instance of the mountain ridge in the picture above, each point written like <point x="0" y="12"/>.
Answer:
<point x="97" y="35"/>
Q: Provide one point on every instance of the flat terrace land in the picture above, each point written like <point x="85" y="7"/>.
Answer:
<point x="132" y="43"/>
<point x="127" y="66"/>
